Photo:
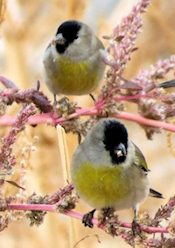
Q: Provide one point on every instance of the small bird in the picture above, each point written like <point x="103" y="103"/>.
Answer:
<point x="72" y="61"/>
<point x="109" y="170"/>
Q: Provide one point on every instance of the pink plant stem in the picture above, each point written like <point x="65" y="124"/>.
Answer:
<point x="34" y="207"/>
<point x="145" y="121"/>
<point x="74" y="214"/>
<point x="48" y="118"/>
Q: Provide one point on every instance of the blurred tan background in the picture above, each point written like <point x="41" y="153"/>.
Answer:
<point x="25" y="32"/>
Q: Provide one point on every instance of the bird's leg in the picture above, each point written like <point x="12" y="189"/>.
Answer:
<point x="87" y="218"/>
<point x="38" y="85"/>
<point x="79" y="137"/>
<point x="54" y="101"/>
<point x="101" y="115"/>
<point x="136" y="230"/>
<point x="54" y="113"/>
<point x="92" y="97"/>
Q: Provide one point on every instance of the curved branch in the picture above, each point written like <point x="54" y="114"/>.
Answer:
<point x="48" y="118"/>
<point x="77" y="215"/>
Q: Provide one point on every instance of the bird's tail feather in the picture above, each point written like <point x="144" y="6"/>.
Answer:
<point x="155" y="193"/>
<point x="167" y="84"/>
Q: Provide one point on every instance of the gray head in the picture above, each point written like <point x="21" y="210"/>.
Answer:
<point x="75" y="38"/>
<point x="66" y="34"/>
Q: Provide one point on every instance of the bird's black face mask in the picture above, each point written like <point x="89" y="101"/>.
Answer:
<point x="69" y="31"/>
<point x="116" y="140"/>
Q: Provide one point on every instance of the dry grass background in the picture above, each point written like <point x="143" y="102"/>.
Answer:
<point x="25" y="31"/>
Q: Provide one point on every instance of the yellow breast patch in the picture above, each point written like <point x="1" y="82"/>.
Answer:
<point x="100" y="185"/>
<point x="76" y="77"/>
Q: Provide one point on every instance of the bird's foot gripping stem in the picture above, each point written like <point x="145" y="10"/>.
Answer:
<point x="136" y="229"/>
<point x="87" y="218"/>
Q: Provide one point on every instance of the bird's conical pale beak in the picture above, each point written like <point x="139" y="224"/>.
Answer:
<point x="120" y="150"/>
<point x="59" y="39"/>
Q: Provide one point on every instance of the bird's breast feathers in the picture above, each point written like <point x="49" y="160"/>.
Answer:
<point x="73" y="77"/>
<point x="106" y="186"/>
